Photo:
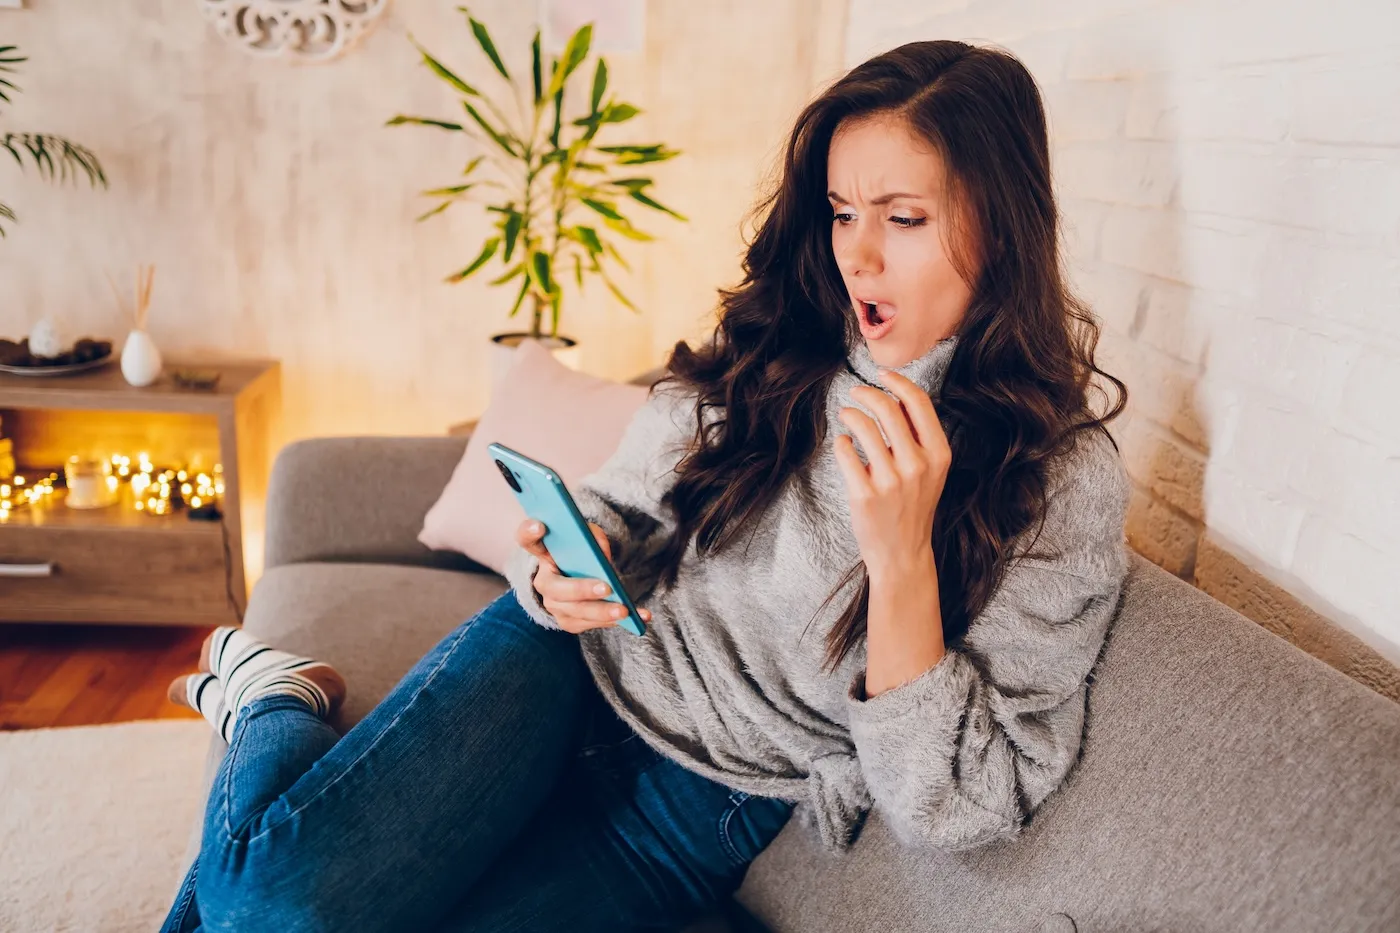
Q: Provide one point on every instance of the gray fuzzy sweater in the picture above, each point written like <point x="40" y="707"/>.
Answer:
<point x="725" y="683"/>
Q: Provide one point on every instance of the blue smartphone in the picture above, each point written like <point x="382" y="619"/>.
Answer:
<point x="569" y="540"/>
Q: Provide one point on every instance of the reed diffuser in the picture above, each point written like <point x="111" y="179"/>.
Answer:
<point x="140" y="358"/>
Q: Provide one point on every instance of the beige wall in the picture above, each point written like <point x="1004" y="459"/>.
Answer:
<point x="279" y="210"/>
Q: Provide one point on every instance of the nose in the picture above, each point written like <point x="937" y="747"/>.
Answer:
<point x="858" y="250"/>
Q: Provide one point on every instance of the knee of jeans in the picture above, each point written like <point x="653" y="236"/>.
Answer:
<point x="237" y="896"/>
<point x="238" y="887"/>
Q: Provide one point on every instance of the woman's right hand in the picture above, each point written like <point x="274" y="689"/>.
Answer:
<point x="573" y="601"/>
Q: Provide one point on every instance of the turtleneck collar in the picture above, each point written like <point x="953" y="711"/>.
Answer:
<point x="927" y="371"/>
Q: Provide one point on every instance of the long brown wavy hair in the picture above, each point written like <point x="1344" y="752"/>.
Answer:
<point x="1016" y="393"/>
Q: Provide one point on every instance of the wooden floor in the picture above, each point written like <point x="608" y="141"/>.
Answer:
<point x="75" y="675"/>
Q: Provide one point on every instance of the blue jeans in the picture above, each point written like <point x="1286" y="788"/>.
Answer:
<point x="492" y="789"/>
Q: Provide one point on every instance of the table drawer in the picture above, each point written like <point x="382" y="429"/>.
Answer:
<point x="172" y="574"/>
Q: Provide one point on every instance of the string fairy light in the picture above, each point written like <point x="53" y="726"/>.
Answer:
<point x="154" y="490"/>
<point x="160" y="491"/>
<point x="19" y="491"/>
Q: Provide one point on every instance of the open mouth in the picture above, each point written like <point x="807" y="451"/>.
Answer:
<point x="875" y="317"/>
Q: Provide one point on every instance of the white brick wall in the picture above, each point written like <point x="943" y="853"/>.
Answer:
<point x="1230" y="179"/>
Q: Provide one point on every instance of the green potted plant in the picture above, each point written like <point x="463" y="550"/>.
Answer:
<point x="53" y="156"/>
<point x="558" y="193"/>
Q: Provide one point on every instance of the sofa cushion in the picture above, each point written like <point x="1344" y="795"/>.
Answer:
<point x="1228" y="781"/>
<point x="568" y="420"/>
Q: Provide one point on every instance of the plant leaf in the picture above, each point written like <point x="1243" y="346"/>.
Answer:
<point x="631" y="147"/>
<point x="607" y="210"/>
<point x="449" y="192"/>
<point x="524" y="290"/>
<point x="619" y="113"/>
<point x="535" y="67"/>
<point x="638" y="155"/>
<point x="471" y="166"/>
<point x="630" y="184"/>
<point x="574" y="53"/>
<point x="423" y="121"/>
<point x="617" y="292"/>
<point x="443" y="72"/>
<point x="558" y="116"/>
<point x="590" y="240"/>
<point x="487" y="251"/>
<point x="600" y="84"/>
<point x="641" y="198"/>
<point x="624" y="227"/>
<point x="512" y="272"/>
<point x="578" y="269"/>
<point x="617" y="257"/>
<point x="512" y="231"/>
<point x="491" y="131"/>
<point x="437" y="210"/>
<point x="37" y="149"/>
<point x="643" y="158"/>
<point x="483" y="38"/>
<point x="539" y="270"/>
<point x="43" y="148"/>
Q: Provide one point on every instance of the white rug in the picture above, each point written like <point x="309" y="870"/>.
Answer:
<point x="94" y="822"/>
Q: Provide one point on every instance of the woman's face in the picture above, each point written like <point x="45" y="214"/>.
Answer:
<point x="890" y="238"/>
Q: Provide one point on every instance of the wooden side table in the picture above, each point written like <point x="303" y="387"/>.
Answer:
<point x="115" y="564"/>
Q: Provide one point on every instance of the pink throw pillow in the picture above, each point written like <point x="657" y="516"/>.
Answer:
<point x="563" y="418"/>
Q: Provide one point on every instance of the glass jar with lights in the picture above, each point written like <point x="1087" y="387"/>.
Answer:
<point x="91" y="484"/>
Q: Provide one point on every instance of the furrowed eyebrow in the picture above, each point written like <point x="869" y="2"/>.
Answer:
<point x="882" y="199"/>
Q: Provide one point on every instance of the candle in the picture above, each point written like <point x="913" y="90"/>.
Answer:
<point x="88" y="487"/>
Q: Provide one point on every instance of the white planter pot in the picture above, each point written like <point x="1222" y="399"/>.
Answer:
<point x="565" y="349"/>
<point x="140" y="359"/>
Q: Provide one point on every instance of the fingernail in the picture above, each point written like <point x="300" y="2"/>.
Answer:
<point x="601" y="589"/>
<point x="617" y="612"/>
<point x="534" y="526"/>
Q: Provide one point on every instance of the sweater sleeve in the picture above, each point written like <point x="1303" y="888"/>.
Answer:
<point x="962" y="754"/>
<point x="623" y="497"/>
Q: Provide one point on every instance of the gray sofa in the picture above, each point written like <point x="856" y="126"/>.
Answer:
<point x="1228" y="780"/>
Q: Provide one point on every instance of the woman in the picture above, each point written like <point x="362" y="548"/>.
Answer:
<point x="961" y="560"/>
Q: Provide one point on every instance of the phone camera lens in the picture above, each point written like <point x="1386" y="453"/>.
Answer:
<point x="510" y="477"/>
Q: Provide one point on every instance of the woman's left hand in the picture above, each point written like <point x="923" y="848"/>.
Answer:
<point x="892" y="500"/>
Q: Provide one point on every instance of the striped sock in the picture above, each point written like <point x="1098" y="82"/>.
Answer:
<point x="204" y="693"/>
<point x="248" y="669"/>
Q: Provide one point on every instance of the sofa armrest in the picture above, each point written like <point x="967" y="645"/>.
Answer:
<point x="359" y="499"/>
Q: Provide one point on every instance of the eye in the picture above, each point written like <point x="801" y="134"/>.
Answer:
<point x="908" y="222"/>
<point x="842" y="219"/>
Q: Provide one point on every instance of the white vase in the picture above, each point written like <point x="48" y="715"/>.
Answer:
<point x="140" y="359"/>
